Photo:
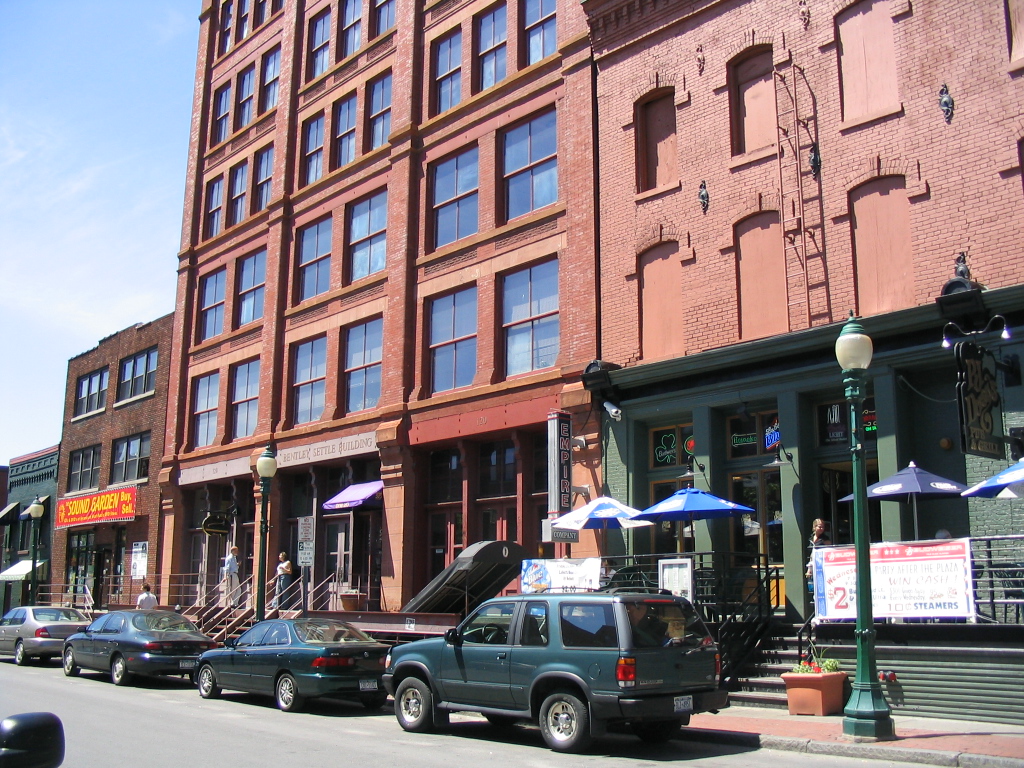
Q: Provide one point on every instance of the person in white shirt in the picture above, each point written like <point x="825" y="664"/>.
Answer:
<point x="230" y="573"/>
<point x="146" y="599"/>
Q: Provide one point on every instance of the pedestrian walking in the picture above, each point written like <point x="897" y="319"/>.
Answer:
<point x="146" y="599"/>
<point x="284" y="580"/>
<point x="230" y="578"/>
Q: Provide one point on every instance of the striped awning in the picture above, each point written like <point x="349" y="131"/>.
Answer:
<point x="20" y="570"/>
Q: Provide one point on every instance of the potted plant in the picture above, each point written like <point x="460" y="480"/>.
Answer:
<point x="815" y="685"/>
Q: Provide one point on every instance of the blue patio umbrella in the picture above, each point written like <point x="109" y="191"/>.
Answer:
<point x="603" y="512"/>
<point x="691" y="504"/>
<point x="1008" y="484"/>
<point x="913" y="481"/>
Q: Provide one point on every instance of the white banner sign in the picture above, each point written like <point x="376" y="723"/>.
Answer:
<point x="565" y="575"/>
<point x="140" y="559"/>
<point x="922" y="579"/>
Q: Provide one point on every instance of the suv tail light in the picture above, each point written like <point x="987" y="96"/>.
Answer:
<point x="42" y="632"/>
<point x="718" y="665"/>
<point x="334" y="661"/>
<point x="625" y="672"/>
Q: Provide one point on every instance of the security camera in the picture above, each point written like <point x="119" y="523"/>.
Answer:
<point x="613" y="411"/>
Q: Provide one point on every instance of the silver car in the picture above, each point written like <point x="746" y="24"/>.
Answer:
<point x="38" y="631"/>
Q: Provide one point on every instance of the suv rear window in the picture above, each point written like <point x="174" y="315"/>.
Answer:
<point x="665" y="622"/>
<point x="588" y="625"/>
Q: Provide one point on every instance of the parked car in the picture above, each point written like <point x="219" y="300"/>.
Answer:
<point x="31" y="740"/>
<point x="126" y="643"/>
<point x="573" y="663"/>
<point x="38" y="631"/>
<point x="295" y="660"/>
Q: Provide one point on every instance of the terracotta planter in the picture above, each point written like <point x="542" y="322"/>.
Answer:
<point x="815" y="694"/>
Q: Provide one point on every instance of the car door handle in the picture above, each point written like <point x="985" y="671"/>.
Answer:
<point x="502" y="655"/>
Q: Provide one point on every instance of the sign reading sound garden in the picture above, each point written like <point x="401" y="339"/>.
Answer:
<point x="114" y="506"/>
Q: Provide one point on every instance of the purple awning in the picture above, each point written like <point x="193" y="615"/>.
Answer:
<point x="354" y="495"/>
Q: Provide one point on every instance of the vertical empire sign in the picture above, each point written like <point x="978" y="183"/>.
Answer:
<point x="977" y="395"/>
<point x="559" y="472"/>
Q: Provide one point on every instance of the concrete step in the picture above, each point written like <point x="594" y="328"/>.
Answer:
<point x="759" y="699"/>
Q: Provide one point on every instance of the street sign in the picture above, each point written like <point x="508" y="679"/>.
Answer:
<point x="306" y="529"/>
<point x="305" y="553"/>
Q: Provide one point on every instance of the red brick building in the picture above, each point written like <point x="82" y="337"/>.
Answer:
<point x="106" y="521"/>
<point x="765" y="168"/>
<point x="387" y="271"/>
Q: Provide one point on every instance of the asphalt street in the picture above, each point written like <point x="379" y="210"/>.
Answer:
<point x="164" y="723"/>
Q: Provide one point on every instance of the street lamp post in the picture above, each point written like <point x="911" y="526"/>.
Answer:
<point x="35" y="511"/>
<point x="868" y="717"/>
<point x="266" y="468"/>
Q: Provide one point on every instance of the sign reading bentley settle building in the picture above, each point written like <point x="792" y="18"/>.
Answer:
<point x="114" y="506"/>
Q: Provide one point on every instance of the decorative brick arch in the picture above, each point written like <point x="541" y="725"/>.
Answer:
<point x="655" y="235"/>
<point x="751" y="39"/>
<point x="751" y="205"/>
<point x="656" y="81"/>
<point x="878" y="166"/>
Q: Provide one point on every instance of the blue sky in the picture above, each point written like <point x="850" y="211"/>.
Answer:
<point x="95" y="108"/>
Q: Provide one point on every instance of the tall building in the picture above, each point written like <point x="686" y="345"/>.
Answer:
<point x="106" y="537"/>
<point x="387" y="271"/>
<point x="765" y="169"/>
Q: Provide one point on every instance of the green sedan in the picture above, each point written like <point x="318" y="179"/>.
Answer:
<point x="297" y="659"/>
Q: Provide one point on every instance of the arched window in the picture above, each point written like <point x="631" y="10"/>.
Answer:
<point x="752" y="101"/>
<point x="881" y="246"/>
<point x="661" y="311"/>
<point x="867" y="59"/>
<point x="656" y="141"/>
<point x="761" y="275"/>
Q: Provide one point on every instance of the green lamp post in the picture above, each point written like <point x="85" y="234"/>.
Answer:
<point x="35" y="512"/>
<point x="867" y="714"/>
<point x="266" y="468"/>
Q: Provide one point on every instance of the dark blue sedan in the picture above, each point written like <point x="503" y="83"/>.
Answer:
<point x="127" y="643"/>
<point x="297" y="659"/>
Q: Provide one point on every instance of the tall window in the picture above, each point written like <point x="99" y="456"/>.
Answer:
<point x="309" y="380"/>
<point x="882" y="249"/>
<point x="264" y="173"/>
<point x="313" y="149"/>
<point x="245" y="392"/>
<point x="211" y="305"/>
<point x="345" y="130"/>
<point x="221" y="111"/>
<point x="531" y="166"/>
<point x="662" y="333"/>
<point x="214" y="206"/>
<point x="752" y="96"/>
<point x="138" y="375"/>
<point x="271" y="75"/>
<point x="530" y="318"/>
<point x="351" y="11"/>
<point x="368" y="221"/>
<point x="540" y="29"/>
<point x="1015" y="15"/>
<point x="384" y="15"/>
<point x="867" y="59"/>
<point x="497" y="469"/>
<point x="259" y="12"/>
<point x="455" y="198"/>
<point x="491" y="35"/>
<point x="656" y="142"/>
<point x="761" y="272"/>
<point x="448" y="71"/>
<point x="246" y="85"/>
<point x="380" y="111"/>
<point x="239" y="185"/>
<point x="226" y="22"/>
<point x="252" y="274"/>
<point x="453" y="340"/>
<point x="243" y="19"/>
<point x="91" y="392"/>
<point x="320" y="44"/>
<point x="130" y="458"/>
<point x="204" y="410"/>
<point x="314" y="259"/>
<point x="84" y="472"/>
<point x="364" y="346"/>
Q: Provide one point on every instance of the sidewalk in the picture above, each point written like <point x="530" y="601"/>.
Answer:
<point x="957" y="743"/>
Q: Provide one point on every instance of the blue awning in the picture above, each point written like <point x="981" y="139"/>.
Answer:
<point x="354" y="495"/>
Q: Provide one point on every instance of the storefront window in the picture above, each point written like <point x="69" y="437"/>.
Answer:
<point x="758" y="532"/>
<point x="671" y="446"/>
<point x="753" y="434"/>
<point x="445" y="482"/>
<point x="833" y="419"/>
<point x="497" y="469"/>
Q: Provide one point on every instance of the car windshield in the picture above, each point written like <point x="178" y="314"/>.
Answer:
<point x="163" y="622"/>
<point x="329" y="631"/>
<point x="57" y="614"/>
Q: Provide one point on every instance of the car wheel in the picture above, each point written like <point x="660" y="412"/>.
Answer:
<point x="565" y="722"/>
<point x="374" y="702"/>
<point x="206" y="681"/>
<point x="501" y="721"/>
<point x="68" y="662"/>
<point x="119" y="673"/>
<point x="414" y="706"/>
<point x="287" y="693"/>
<point x="658" y="731"/>
<point x="20" y="657"/>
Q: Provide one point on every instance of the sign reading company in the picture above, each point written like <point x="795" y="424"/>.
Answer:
<point x="114" y="506"/>
<point x="351" y="445"/>
<point x="908" y="580"/>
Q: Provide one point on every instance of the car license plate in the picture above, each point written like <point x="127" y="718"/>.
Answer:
<point x="367" y="685"/>
<point x="189" y="664"/>
<point x="683" y="703"/>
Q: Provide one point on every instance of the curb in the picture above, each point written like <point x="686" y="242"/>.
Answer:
<point x="864" y="751"/>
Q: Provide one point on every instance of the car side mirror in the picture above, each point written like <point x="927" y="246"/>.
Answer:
<point x="452" y="637"/>
<point x="229" y="642"/>
<point x="32" y="740"/>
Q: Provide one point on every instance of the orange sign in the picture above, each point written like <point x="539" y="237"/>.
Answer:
<point x="104" y="507"/>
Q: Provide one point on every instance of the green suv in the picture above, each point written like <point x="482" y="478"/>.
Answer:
<point x="572" y="662"/>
